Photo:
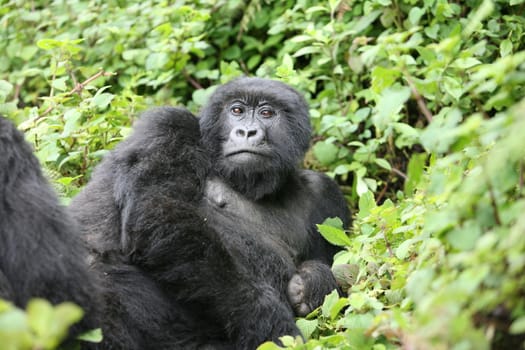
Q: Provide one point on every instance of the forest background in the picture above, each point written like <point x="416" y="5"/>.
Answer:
<point x="418" y="110"/>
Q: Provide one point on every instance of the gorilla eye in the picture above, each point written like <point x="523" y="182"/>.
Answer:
<point x="267" y="113"/>
<point x="237" y="110"/>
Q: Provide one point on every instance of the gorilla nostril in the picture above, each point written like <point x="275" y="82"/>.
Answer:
<point x="245" y="133"/>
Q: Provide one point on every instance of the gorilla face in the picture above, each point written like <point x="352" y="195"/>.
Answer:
<point x="251" y="134"/>
<point x="257" y="131"/>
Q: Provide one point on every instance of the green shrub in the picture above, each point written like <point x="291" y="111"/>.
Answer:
<point x="41" y="326"/>
<point x="417" y="109"/>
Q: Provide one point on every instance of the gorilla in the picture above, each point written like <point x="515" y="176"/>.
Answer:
<point x="201" y="232"/>
<point x="204" y="230"/>
<point x="41" y="254"/>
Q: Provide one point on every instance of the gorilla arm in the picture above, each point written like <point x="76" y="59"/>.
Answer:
<point x="171" y="243"/>
<point x="159" y="173"/>
<point x="313" y="279"/>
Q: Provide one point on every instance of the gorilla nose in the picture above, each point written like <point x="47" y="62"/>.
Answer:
<point x="244" y="134"/>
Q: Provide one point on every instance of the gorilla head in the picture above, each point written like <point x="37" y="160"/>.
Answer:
<point x="257" y="131"/>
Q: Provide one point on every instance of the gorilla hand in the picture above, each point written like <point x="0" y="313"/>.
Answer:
<point x="309" y="286"/>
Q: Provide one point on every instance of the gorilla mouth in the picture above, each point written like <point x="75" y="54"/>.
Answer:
<point x="252" y="151"/>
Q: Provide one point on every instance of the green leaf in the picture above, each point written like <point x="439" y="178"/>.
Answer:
<point x="505" y="47"/>
<point x="334" y="222"/>
<point x="253" y="61"/>
<point x="518" y="326"/>
<point x="418" y="283"/>
<point x="404" y="249"/>
<point x="92" y="336"/>
<point x="366" y="203"/>
<point x="358" y="323"/>
<point x="13" y="320"/>
<point x="439" y="221"/>
<point x="483" y="11"/>
<point x="68" y="312"/>
<point x="408" y="136"/>
<point x="325" y="152"/>
<point x="415" y="169"/>
<point x="415" y="15"/>
<point x="308" y="50"/>
<point x="441" y="133"/>
<point x="335" y="236"/>
<point x="8" y="108"/>
<point x="337" y="307"/>
<point x="200" y="96"/>
<point x="383" y="163"/>
<point x="287" y="340"/>
<point x="72" y="121"/>
<point x="157" y="61"/>
<point x="361" y="186"/>
<point x="232" y="53"/>
<point x="49" y="152"/>
<point x="465" y="237"/>
<point x="330" y="301"/>
<point x="383" y="78"/>
<point x="365" y="21"/>
<point x="307" y="327"/>
<point x="60" y="83"/>
<point x="102" y="100"/>
<point x="40" y="315"/>
<point x="5" y="89"/>
<point x="389" y="105"/>
<point x="465" y="63"/>
<point x="269" y="346"/>
<point x="301" y="38"/>
<point x="286" y="70"/>
<point x="49" y="44"/>
<point x="453" y="86"/>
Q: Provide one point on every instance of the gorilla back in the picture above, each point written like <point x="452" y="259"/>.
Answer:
<point x="41" y="254"/>
<point x="205" y="234"/>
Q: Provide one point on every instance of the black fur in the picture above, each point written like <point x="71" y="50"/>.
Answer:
<point x="201" y="236"/>
<point x="41" y="254"/>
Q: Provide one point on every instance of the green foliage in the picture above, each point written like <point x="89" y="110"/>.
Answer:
<point x="417" y="108"/>
<point x="40" y="326"/>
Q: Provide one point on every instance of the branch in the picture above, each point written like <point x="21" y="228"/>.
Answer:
<point x="387" y="243"/>
<point x="192" y="81"/>
<point x="493" y="203"/>
<point x="400" y="173"/>
<point x="78" y="88"/>
<point x="419" y="99"/>
<point x="382" y="193"/>
<point x="522" y="177"/>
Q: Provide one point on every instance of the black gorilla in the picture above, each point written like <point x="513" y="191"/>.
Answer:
<point x="41" y="254"/>
<point x="206" y="236"/>
<point x="200" y="237"/>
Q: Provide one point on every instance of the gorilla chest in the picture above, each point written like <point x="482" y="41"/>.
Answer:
<point x="269" y="227"/>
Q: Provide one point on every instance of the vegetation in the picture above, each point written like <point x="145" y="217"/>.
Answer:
<point x="418" y="109"/>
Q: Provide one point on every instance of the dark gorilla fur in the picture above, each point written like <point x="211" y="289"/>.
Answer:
<point x="41" y="254"/>
<point x="201" y="235"/>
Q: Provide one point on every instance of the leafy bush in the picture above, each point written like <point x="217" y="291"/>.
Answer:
<point x="40" y="326"/>
<point x="417" y="108"/>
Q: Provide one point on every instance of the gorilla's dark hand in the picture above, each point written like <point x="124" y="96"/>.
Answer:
<point x="309" y="286"/>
